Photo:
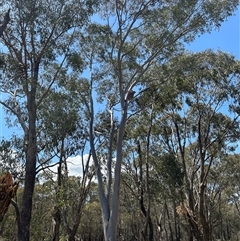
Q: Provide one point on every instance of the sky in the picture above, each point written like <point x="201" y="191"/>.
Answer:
<point x="226" y="38"/>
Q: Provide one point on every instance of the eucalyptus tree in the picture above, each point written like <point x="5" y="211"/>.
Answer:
<point x="194" y="127"/>
<point x="154" y="175"/>
<point x="62" y="135"/>
<point x="223" y="197"/>
<point x="36" y="44"/>
<point x="128" y="40"/>
<point x="136" y="163"/>
<point x="200" y="127"/>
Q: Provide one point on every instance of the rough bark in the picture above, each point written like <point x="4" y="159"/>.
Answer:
<point x="57" y="219"/>
<point x="30" y="169"/>
<point x="7" y="191"/>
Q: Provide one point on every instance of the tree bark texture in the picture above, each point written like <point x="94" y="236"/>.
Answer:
<point x="30" y="169"/>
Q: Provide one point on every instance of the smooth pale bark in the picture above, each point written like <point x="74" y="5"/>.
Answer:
<point x="112" y="230"/>
<point x="110" y="209"/>
<point x="104" y="201"/>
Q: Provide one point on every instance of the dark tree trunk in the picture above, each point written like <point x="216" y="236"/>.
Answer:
<point x="57" y="219"/>
<point x="5" y="22"/>
<point x="30" y="169"/>
<point x="26" y="211"/>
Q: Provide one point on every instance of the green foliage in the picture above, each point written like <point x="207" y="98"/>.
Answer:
<point x="169" y="170"/>
<point x="69" y="71"/>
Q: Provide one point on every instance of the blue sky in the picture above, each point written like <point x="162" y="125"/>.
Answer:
<point x="226" y="38"/>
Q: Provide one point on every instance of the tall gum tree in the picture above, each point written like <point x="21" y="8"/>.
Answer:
<point x="199" y="129"/>
<point x="129" y="39"/>
<point x="36" y="44"/>
<point x="194" y="128"/>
